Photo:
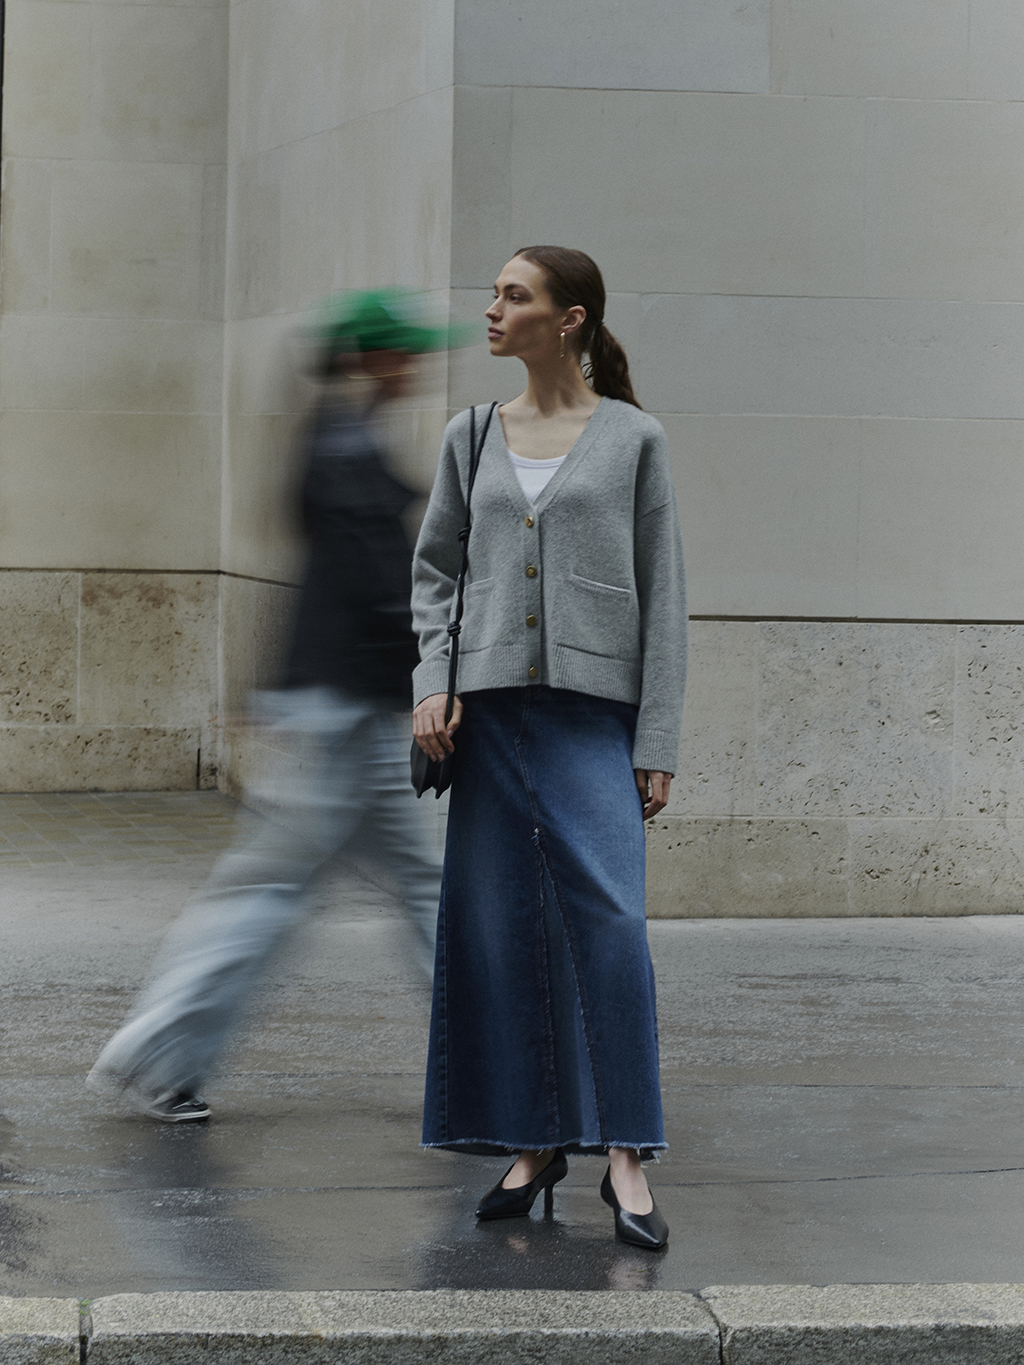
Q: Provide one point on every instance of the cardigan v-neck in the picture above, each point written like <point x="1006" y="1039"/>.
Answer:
<point x="577" y="448"/>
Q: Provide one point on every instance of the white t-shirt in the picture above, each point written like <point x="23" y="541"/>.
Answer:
<point x="534" y="475"/>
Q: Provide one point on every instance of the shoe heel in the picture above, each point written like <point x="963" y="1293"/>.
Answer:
<point x="501" y="1203"/>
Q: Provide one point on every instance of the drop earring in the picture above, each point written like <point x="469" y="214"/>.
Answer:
<point x="561" y="346"/>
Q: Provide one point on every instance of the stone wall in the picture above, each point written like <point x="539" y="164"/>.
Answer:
<point x="110" y="392"/>
<point x="810" y="219"/>
<point x="108" y="680"/>
<point x="846" y="768"/>
<point x="339" y="176"/>
<point x="181" y="181"/>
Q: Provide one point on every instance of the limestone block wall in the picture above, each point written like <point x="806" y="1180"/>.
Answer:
<point x="111" y="301"/>
<point x="846" y="768"/>
<point x="108" y="680"/>
<point x="810" y="217"/>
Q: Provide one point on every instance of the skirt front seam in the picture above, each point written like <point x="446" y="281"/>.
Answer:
<point x="543" y="976"/>
<point x="595" y="1079"/>
<point x="550" y="1070"/>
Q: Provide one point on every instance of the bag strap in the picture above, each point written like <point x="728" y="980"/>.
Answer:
<point x="455" y="625"/>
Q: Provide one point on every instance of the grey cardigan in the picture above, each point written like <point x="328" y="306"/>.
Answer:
<point x="582" y="590"/>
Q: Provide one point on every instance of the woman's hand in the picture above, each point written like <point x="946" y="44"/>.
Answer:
<point x="429" y="729"/>
<point x="652" y="786"/>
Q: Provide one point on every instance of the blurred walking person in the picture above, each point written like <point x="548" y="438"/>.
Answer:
<point x="346" y="681"/>
<point x="544" y="1034"/>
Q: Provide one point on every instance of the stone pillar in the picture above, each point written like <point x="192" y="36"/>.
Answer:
<point x="110" y="393"/>
<point x="339" y="176"/>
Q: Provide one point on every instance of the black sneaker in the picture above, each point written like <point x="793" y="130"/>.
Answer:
<point x="177" y="1108"/>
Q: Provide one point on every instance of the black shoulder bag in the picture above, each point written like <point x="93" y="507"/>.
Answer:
<point x="429" y="772"/>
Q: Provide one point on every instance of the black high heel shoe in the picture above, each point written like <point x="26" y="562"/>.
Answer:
<point x="648" y="1230"/>
<point x="502" y="1203"/>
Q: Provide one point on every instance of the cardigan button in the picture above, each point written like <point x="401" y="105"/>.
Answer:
<point x="529" y="521"/>
<point x="533" y="670"/>
<point x="531" y="571"/>
<point x="531" y="620"/>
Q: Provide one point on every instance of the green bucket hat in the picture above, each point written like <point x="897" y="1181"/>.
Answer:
<point x="385" y="320"/>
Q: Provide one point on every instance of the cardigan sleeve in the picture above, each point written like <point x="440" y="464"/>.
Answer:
<point x="661" y="589"/>
<point x="435" y="567"/>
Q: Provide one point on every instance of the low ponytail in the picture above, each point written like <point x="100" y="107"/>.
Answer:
<point x="575" y="281"/>
<point x="608" y="369"/>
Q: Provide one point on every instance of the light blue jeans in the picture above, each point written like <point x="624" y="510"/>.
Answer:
<point x="341" y="787"/>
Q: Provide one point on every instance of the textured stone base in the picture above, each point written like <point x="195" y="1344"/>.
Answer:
<point x="108" y="681"/>
<point x="105" y="758"/>
<point x="846" y="768"/>
<point x="765" y="868"/>
<point x="843" y="768"/>
<point x="249" y="763"/>
<point x="256" y="618"/>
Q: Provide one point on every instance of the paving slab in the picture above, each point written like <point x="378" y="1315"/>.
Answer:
<point x="496" y="1328"/>
<point x="317" y="1131"/>
<point x="881" y="1324"/>
<point x="895" y="1002"/>
<point x="39" y="1331"/>
<point x="844" y="1102"/>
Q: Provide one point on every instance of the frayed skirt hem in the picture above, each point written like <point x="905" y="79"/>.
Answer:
<point x="648" y="1151"/>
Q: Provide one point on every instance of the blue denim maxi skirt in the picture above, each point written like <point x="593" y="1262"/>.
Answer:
<point x="544" y="1029"/>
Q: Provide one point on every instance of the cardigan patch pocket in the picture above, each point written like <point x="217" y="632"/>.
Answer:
<point x="482" y="627"/>
<point x="592" y="585"/>
<point x="601" y="618"/>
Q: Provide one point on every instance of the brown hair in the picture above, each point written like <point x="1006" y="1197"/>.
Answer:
<point x="575" y="281"/>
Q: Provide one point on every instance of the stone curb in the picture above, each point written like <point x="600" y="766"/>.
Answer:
<point x="873" y="1324"/>
<point x="955" y="1324"/>
<point x="513" y="1327"/>
<point x="39" y="1331"/>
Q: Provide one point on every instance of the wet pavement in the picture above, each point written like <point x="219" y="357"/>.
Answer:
<point x="844" y="1099"/>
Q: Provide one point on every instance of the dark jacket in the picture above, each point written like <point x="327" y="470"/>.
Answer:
<point x="353" y="625"/>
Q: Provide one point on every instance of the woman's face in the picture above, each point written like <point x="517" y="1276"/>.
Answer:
<point x="523" y="320"/>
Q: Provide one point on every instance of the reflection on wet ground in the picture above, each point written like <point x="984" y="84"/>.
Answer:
<point x="843" y="1100"/>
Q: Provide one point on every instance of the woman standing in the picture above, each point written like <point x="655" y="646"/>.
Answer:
<point x="571" y="674"/>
